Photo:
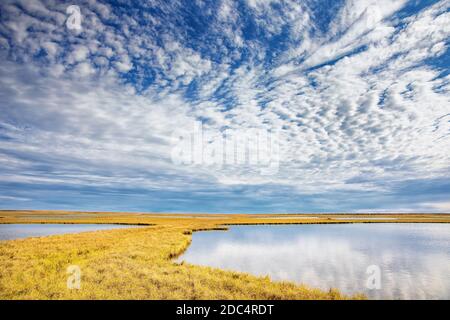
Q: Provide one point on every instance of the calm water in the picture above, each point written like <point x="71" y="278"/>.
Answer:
<point x="15" y="231"/>
<point x="414" y="259"/>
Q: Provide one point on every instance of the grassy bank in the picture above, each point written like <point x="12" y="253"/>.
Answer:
<point x="138" y="263"/>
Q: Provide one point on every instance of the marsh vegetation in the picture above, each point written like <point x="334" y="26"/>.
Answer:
<point x="138" y="263"/>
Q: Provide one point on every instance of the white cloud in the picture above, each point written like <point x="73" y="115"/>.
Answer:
<point x="440" y="206"/>
<point x="355" y="103"/>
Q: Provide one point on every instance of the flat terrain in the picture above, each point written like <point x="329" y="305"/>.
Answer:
<point x="139" y="263"/>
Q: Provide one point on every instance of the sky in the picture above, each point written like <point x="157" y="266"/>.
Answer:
<point x="96" y="97"/>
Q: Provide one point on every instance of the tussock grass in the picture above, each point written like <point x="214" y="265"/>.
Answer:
<point x="137" y="263"/>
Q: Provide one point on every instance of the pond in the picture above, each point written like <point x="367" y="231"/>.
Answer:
<point x="382" y="260"/>
<point x="16" y="231"/>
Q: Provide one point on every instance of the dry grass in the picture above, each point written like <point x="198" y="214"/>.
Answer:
<point x="138" y="263"/>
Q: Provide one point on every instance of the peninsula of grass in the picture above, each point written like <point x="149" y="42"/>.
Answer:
<point x="138" y="263"/>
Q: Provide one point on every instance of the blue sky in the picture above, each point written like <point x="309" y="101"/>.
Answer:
<point x="357" y="93"/>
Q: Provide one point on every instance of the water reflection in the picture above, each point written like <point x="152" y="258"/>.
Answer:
<point x="414" y="258"/>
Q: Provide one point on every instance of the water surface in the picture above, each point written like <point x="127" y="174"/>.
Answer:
<point x="414" y="259"/>
<point x="16" y="231"/>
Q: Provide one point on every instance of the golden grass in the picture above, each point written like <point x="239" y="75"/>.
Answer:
<point x="137" y="263"/>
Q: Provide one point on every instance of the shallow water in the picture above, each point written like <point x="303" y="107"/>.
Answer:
<point x="413" y="259"/>
<point x="16" y="231"/>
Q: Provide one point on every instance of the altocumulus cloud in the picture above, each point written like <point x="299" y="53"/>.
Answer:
<point x="357" y="92"/>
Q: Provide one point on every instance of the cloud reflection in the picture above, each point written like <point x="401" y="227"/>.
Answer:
<point x="414" y="259"/>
